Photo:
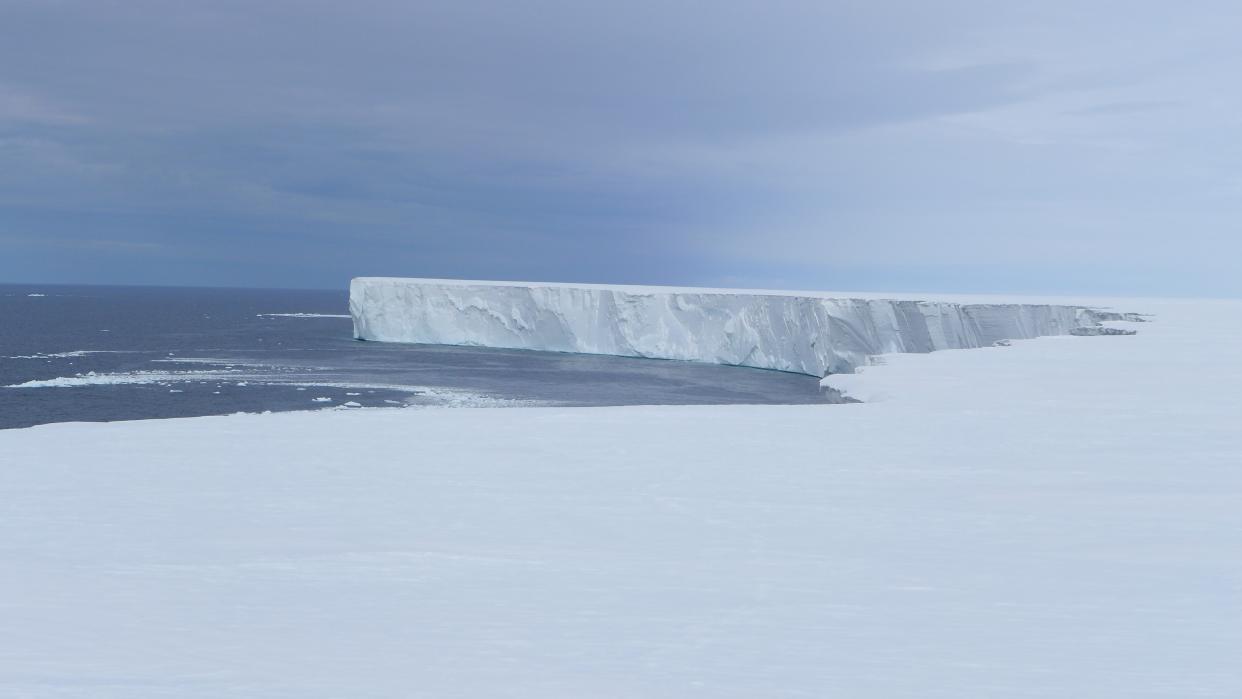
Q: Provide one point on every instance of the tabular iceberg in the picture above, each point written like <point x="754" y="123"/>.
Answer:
<point x="804" y="333"/>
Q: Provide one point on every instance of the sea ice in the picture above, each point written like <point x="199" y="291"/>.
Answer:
<point x="1056" y="518"/>
<point x="301" y="315"/>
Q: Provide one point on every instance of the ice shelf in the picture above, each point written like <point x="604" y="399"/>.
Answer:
<point x="808" y="333"/>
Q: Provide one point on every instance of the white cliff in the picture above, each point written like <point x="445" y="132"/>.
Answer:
<point x="806" y="333"/>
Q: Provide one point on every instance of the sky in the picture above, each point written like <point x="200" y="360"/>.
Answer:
<point x="1001" y="147"/>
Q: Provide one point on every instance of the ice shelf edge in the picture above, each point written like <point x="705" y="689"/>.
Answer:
<point x="808" y="334"/>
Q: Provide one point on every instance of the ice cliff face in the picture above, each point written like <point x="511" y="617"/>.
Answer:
<point x="808" y="334"/>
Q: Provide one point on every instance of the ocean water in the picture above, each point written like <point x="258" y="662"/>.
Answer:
<point x="98" y="353"/>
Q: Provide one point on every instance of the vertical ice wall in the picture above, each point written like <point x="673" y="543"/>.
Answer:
<point x="806" y="334"/>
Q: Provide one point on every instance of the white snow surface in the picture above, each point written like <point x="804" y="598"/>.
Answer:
<point x="805" y="332"/>
<point x="1057" y="518"/>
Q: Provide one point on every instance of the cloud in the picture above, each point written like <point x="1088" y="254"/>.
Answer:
<point x="18" y="106"/>
<point x="678" y="141"/>
<point x="1123" y="108"/>
<point x="82" y="244"/>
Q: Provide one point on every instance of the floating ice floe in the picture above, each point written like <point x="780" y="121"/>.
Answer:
<point x="421" y="396"/>
<point x="137" y="377"/>
<point x="301" y="315"/>
<point x="65" y="355"/>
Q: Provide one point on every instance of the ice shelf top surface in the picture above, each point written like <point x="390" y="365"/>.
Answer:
<point x="930" y="297"/>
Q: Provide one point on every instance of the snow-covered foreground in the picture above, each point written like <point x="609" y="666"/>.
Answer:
<point x="1059" y="518"/>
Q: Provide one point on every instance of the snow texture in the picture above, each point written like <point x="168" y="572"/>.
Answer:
<point x="1056" y="518"/>
<point x="808" y="333"/>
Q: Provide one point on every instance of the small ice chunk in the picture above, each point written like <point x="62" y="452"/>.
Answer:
<point x="322" y="399"/>
<point x="351" y="404"/>
<point x="1100" y="330"/>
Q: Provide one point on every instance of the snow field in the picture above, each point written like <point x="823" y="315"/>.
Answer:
<point x="1056" y="518"/>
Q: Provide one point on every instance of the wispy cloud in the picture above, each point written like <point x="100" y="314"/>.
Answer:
<point x="104" y="245"/>
<point x="1123" y="108"/>
<point x="22" y="107"/>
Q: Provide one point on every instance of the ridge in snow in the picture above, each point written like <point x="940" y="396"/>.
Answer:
<point x="805" y="332"/>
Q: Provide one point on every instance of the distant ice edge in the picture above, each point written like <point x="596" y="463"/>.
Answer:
<point x="804" y="334"/>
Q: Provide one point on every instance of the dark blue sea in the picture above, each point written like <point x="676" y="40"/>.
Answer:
<point x="100" y="353"/>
